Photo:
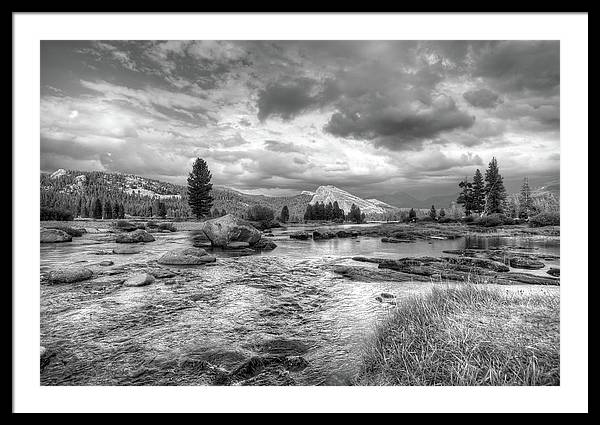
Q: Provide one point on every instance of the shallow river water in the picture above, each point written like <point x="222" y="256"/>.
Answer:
<point x="284" y="301"/>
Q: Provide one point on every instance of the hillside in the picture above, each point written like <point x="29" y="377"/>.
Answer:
<point x="75" y="191"/>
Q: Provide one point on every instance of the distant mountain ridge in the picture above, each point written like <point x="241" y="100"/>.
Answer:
<point x="345" y="200"/>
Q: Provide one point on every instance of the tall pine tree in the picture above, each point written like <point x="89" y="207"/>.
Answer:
<point x="199" y="188"/>
<point x="494" y="189"/>
<point x="478" y="193"/>
<point x="525" y="200"/>
<point x="285" y="214"/>
<point x="97" y="209"/>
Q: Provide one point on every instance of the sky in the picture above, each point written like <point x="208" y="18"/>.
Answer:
<point x="280" y="117"/>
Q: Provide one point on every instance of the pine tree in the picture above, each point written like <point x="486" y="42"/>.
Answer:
<point x="442" y="213"/>
<point x="495" y="192"/>
<point x="285" y="214"/>
<point x="308" y="214"/>
<point x="412" y="214"/>
<point x="199" y="188"/>
<point x="465" y="197"/>
<point x="478" y="193"/>
<point x="116" y="211"/>
<point x="121" y="211"/>
<point x="162" y="210"/>
<point x="525" y="200"/>
<point x="433" y="213"/>
<point x="97" y="209"/>
<point x="107" y="210"/>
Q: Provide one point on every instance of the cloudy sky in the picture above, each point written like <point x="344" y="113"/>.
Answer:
<point x="279" y="117"/>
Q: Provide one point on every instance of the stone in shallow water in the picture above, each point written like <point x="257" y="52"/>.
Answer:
<point x="135" y="237"/>
<point x="54" y="236"/>
<point x="106" y="263"/>
<point x="264" y="245"/>
<point x="186" y="256"/>
<point x="554" y="272"/>
<point x="237" y="245"/>
<point x="525" y="263"/>
<point x="140" y="279"/>
<point x="69" y="275"/>
<point x="127" y="250"/>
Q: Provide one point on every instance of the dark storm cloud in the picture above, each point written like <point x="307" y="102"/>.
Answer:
<point x="482" y="98"/>
<point x="397" y="128"/>
<point x="520" y="65"/>
<point x="288" y="99"/>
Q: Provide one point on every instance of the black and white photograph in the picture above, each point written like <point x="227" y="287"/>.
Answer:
<point x="288" y="212"/>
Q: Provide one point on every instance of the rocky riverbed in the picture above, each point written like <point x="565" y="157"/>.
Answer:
<point x="176" y="311"/>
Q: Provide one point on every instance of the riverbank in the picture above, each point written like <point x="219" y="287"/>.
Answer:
<point x="467" y="335"/>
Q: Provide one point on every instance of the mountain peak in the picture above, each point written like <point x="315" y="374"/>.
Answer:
<point x="329" y="193"/>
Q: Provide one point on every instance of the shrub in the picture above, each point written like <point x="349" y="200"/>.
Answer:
<point x="468" y="219"/>
<point x="260" y="213"/>
<point x="47" y="214"/>
<point x="447" y="220"/>
<point x="493" y="220"/>
<point x="545" y="219"/>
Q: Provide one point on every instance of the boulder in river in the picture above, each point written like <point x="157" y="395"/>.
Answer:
<point x="54" y="236"/>
<point x="264" y="245"/>
<point x="223" y="230"/>
<point x="526" y="263"/>
<point x="186" y="256"/>
<point x="135" y="237"/>
<point x="139" y="279"/>
<point x="69" y="275"/>
<point x="318" y="235"/>
<point x="553" y="271"/>
<point x="300" y="235"/>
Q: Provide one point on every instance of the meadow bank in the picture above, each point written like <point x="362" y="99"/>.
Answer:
<point x="467" y="335"/>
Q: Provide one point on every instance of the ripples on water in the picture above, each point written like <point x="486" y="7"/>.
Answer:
<point x="240" y="304"/>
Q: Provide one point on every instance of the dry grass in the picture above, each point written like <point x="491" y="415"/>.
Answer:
<point x="467" y="336"/>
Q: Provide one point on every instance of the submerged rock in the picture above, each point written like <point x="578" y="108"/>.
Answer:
<point x="227" y="229"/>
<point x="394" y="240"/>
<point x="300" y="235"/>
<point x="69" y="275"/>
<point x="127" y="250"/>
<point x="106" y="263"/>
<point x="554" y="272"/>
<point x="140" y="279"/>
<point x="136" y="236"/>
<point x="54" y="236"/>
<point x="477" y="262"/>
<point x="186" y="256"/>
<point x="237" y="245"/>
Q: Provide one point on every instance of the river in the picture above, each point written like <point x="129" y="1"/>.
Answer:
<point x="284" y="301"/>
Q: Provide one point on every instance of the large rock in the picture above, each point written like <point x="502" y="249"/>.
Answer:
<point x="69" y="275"/>
<point x="265" y="245"/>
<point x="140" y="279"/>
<point x="300" y="235"/>
<point x="229" y="228"/>
<point x="135" y="237"/>
<point x="526" y="263"/>
<point x="186" y="256"/>
<point x="54" y="236"/>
